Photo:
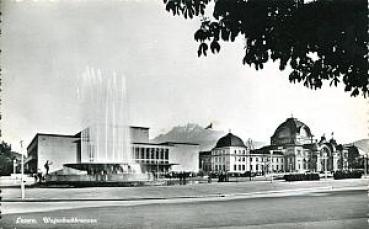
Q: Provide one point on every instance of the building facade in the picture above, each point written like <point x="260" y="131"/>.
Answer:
<point x="302" y="152"/>
<point x="231" y="155"/>
<point x="59" y="150"/>
<point x="292" y="149"/>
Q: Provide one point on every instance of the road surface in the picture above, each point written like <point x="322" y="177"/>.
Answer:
<point x="341" y="209"/>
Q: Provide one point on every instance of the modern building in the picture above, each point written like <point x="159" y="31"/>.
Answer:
<point x="292" y="149"/>
<point x="59" y="150"/>
<point x="205" y="161"/>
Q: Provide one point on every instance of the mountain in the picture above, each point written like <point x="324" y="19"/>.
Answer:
<point x="362" y="144"/>
<point x="194" y="133"/>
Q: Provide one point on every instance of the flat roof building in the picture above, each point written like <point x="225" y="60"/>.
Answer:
<point x="56" y="150"/>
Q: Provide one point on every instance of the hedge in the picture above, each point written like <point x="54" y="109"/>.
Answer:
<point x="301" y="177"/>
<point x="347" y="174"/>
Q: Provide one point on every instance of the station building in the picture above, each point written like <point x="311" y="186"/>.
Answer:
<point x="292" y="149"/>
<point x="60" y="150"/>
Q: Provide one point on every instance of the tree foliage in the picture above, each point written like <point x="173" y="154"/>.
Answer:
<point x="6" y="159"/>
<point x="321" y="40"/>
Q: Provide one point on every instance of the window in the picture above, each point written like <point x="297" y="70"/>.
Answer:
<point x="157" y="153"/>
<point x="239" y="167"/>
<point x="162" y="154"/>
<point x="235" y="151"/>
<point x="250" y="167"/>
<point x="257" y="167"/>
<point x="250" y="159"/>
<point x="153" y="153"/>
<point x="147" y="153"/>
<point x="244" y="151"/>
<point x="166" y="154"/>
<point x="243" y="159"/>
<point x="277" y="167"/>
<point x="137" y="154"/>
<point x="243" y="167"/>
<point x="234" y="167"/>
<point x="257" y="159"/>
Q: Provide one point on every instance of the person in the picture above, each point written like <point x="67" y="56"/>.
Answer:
<point x="47" y="167"/>
<point x="39" y="176"/>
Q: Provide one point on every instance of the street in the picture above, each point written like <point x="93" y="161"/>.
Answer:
<point x="341" y="209"/>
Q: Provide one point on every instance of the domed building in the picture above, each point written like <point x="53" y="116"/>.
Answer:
<point x="302" y="152"/>
<point x="292" y="149"/>
<point x="292" y="131"/>
<point x="229" y="154"/>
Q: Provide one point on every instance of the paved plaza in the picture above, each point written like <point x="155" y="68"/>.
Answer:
<point x="341" y="209"/>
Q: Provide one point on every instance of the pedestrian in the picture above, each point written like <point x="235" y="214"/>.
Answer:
<point x="47" y="167"/>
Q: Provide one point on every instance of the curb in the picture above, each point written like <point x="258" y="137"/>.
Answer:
<point x="273" y="193"/>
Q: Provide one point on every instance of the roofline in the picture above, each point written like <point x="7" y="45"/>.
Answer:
<point x="148" y="143"/>
<point x="223" y="147"/>
<point x="50" y="135"/>
<point x="181" y="143"/>
<point x="139" y="127"/>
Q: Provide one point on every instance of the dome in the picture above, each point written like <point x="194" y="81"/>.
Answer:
<point x="290" y="131"/>
<point x="230" y="140"/>
<point x="294" y="126"/>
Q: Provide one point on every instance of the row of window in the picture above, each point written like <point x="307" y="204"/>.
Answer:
<point x="243" y="167"/>
<point x="222" y="152"/>
<point x="268" y="159"/>
<point x="142" y="153"/>
<point x="222" y="159"/>
<point x="153" y="162"/>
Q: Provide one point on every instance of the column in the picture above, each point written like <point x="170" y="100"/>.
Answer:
<point x="335" y="162"/>
<point x="318" y="163"/>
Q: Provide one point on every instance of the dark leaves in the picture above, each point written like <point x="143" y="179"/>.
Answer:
<point x="289" y="31"/>
<point x="203" y="48"/>
<point x="215" y="47"/>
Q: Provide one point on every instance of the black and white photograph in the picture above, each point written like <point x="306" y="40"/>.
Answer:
<point x="184" y="114"/>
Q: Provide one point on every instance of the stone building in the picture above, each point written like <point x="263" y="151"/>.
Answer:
<point x="292" y="149"/>
<point x="231" y="155"/>
<point x="302" y="152"/>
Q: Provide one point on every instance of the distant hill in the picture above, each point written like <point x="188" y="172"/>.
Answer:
<point x="194" y="133"/>
<point x="362" y="144"/>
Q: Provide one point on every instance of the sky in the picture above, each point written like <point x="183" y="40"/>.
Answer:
<point x="47" y="45"/>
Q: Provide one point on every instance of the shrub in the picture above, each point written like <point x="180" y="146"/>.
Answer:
<point x="301" y="177"/>
<point x="347" y="174"/>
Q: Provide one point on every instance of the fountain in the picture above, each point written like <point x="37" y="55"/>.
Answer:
<point x="104" y="156"/>
<point x="104" y="105"/>
<point x="106" y="136"/>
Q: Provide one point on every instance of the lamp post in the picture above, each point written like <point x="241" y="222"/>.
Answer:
<point x="271" y="163"/>
<point x="14" y="166"/>
<point x="325" y="165"/>
<point x="22" y="172"/>
<point x="365" y="156"/>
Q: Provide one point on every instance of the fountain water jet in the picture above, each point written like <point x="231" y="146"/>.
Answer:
<point x="104" y="107"/>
